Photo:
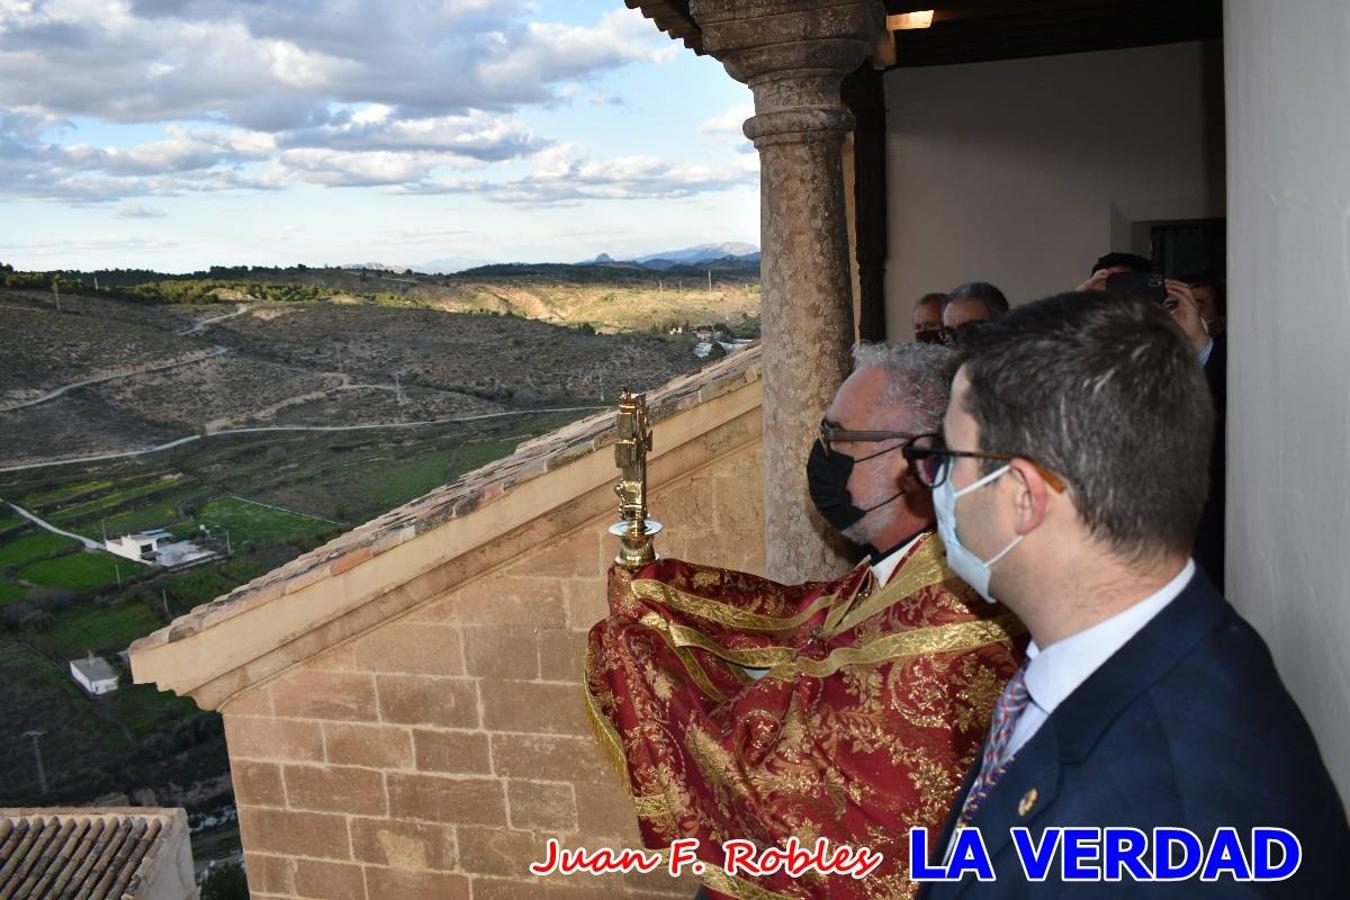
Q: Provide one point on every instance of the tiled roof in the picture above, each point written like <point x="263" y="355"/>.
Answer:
<point x="461" y="497"/>
<point x="80" y="853"/>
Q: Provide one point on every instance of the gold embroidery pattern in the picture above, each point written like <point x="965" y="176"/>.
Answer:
<point x="875" y="704"/>
<point x="722" y="613"/>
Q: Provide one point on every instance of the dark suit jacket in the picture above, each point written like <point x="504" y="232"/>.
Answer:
<point x="1187" y="725"/>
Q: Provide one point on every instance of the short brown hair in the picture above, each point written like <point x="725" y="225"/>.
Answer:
<point x="1106" y="392"/>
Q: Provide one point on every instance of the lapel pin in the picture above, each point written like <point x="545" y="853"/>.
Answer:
<point x="1026" y="803"/>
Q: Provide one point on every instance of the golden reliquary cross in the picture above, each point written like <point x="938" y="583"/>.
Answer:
<point x="634" y="530"/>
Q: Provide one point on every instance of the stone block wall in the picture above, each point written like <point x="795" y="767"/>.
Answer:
<point x="435" y="754"/>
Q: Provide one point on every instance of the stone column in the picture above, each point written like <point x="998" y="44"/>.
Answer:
<point x="793" y="54"/>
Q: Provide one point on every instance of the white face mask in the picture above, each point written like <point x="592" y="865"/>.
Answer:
<point x="971" y="568"/>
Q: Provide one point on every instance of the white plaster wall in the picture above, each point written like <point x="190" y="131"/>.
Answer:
<point x="1025" y="171"/>
<point x="1288" y="84"/>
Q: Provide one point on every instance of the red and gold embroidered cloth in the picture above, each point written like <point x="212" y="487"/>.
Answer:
<point x="874" y="707"/>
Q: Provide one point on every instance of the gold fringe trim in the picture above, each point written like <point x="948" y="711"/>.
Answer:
<point x="723" y="613"/>
<point x="606" y="735"/>
<point x="919" y="642"/>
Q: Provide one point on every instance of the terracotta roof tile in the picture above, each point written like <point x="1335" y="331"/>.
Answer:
<point x="79" y="853"/>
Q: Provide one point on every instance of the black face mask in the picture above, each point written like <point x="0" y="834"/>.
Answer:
<point x="827" y="479"/>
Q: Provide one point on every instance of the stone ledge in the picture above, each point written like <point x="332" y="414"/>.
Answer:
<point x="325" y="585"/>
<point x="470" y="492"/>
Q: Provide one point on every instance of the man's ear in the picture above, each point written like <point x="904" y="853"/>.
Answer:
<point x="902" y="474"/>
<point x="1032" y="498"/>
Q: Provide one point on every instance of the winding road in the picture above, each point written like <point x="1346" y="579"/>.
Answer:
<point x="65" y="388"/>
<point x="198" y="327"/>
<point x="43" y="523"/>
<point x="197" y="437"/>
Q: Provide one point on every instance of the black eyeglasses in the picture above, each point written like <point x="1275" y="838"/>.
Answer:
<point x="833" y="434"/>
<point x="928" y="456"/>
<point x="930" y="336"/>
<point x="953" y="336"/>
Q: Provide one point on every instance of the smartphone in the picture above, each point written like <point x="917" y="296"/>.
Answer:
<point x="1148" y="285"/>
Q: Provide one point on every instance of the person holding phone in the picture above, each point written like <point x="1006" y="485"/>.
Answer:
<point x="1124" y="278"/>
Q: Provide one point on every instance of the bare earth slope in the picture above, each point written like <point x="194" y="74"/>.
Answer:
<point x="294" y="364"/>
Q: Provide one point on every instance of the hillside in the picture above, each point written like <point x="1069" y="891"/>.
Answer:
<point x="611" y="297"/>
<point x="260" y="419"/>
<point x="268" y="363"/>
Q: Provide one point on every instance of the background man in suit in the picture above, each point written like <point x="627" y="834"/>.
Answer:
<point x="969" y="304"/>
<point x="1068" y="483"/>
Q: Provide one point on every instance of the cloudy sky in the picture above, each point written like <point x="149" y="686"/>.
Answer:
<point x="177" y="134"/>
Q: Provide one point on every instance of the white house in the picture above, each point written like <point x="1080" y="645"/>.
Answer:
<point x="158" y="548"/>
<point x="95" y="675"/>
<point x="140" y="546"/>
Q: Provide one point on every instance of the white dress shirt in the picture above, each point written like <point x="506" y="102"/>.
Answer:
<point x="1055" y="672"/>
<point x="885" y="567"/>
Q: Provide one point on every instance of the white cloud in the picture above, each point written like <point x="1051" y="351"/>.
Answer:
<point x="339" y="168"/>
<point x="184" y="150"/>
<point x="566" y="174"/>
<point x="729" y="122"/>
<point x="262" y="95"/>
<point x="555" y="51"/>
<point x="278" y="66"/>
<point x="475" y="135"/>
<point x="139" y="211"/>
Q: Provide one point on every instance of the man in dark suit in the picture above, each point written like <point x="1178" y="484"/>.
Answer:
<point x="1068" y="483"/>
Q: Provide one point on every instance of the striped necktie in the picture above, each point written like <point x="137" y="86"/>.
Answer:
<point x="995" y="759"/>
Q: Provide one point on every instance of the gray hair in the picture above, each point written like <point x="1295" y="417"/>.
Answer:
<point x="918" y="381"/>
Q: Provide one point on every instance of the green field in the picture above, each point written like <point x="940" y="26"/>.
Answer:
<point x="99" y="507"/>
<point x="261" y="524"/>
<point x="104" y="629"/>
<point x="81" y="572"/>
<point x="38" y="693"/>
<point x="393" y="484"/>
<point x="204" y="583"/>
<point x="76" y="488"/>
<point x="91" y="746"/>
<point x="144" y="708"/>
<point x="31" y="545"/>
<point x="9" y="593"/>
<point x="135" y="514"/>
<point x="138" y="736"/>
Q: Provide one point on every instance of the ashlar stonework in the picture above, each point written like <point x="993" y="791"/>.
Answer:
<point x="428" y="736"/>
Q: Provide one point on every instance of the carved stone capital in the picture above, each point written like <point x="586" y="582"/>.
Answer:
<point x="793" y="55"/>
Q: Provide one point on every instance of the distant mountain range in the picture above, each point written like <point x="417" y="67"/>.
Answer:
<point x="687" y="257"/>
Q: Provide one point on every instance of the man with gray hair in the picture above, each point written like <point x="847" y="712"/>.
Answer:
<point x="861" y="485"/>
<point x="844" y="710"/>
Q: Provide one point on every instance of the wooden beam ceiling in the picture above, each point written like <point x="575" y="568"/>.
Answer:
<point x="966" y="31"/>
